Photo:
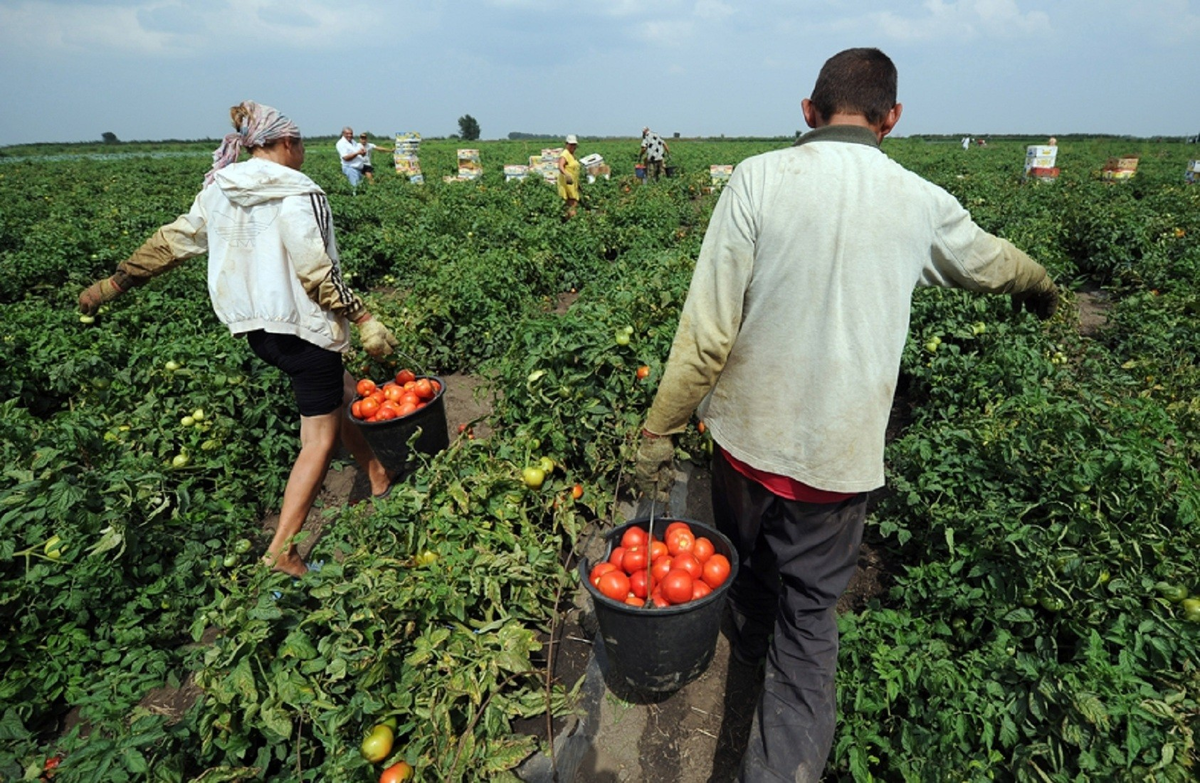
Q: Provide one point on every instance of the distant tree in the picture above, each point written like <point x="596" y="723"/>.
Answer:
<point x="109" y="137"/>
<point x="468" y="128"/>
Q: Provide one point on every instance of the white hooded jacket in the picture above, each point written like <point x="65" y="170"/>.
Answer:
<point x="272" y="258"/>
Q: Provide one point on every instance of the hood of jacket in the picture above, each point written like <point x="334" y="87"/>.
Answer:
<point x="257" y="180"/>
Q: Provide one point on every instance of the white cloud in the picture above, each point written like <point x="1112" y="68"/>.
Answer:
<point x="178" y="27"/>
<point x="964" y="20"/>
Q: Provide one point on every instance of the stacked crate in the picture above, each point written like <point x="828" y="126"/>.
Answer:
<point x="1040" y="162"/>
<point x="1119" y="169"/>
<point x="405" y="156"/>
<point x="1192" y="175"/>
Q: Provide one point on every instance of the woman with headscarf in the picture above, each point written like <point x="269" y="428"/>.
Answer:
<point x="568" y="175"/>
<point x="273" y="277"/>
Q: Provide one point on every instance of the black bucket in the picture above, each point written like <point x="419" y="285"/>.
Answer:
<point x="661" y="649"/>
<point x="389" y="439"/>
<point x="670" y="171"/>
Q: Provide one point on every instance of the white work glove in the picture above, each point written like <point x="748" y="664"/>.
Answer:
<point x="653" y="475"/>
<point x="377" y="340"/>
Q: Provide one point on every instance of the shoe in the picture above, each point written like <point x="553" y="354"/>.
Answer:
<point x="383" y="495"/>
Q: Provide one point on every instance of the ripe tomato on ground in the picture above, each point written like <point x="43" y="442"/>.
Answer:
<point x="677" y="587"/>
<point x="614" y="585"/>
<point x="716" y="571"/>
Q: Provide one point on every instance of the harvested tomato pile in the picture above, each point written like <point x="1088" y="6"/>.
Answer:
<point x="680" y="568"/>
<point x="393" y="399"/>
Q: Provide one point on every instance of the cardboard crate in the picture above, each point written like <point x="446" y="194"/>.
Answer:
<point x="515" y="171"/>
<point x="720" y="173"/>
<point x="1041" y="151"/>
<point x="469" y="166"/>
<point x="1046" y="174"/>
<point x="1040" y="162"/>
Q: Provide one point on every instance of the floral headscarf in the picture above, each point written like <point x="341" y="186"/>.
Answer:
<point x="257" y="125"/>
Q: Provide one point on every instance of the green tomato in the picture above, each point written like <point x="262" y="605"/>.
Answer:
<point x="377" y="745"/>
<point x="180" y="460"/>
<point x="622" y="338"/>
<point x="87" y="319"/>
<point x="173" y="365"/>
<point x="533" y="477"/>
<point x="426" y="558"/>
<point x="1191" y="610"/>
<point x="198" y="414"/>
<point x="547" y="465"/>
<point x="1029" y="599"/>
<point x="53" y="548"/>
<point x="627" y="330"/>
<point x="979" y="327"/>
<point x="242" y="546"/>
<point x="210" y="444"/>
<point x="932" y="346"/>
<point x="230" y="560"/>
<point x="1173" y="593"/>
<point x="1052" y="604"/>
<point x="187" y="421"/>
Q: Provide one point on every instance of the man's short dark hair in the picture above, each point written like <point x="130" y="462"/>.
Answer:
<point x="856" y="81"/>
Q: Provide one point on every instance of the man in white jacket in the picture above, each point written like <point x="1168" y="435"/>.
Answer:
<point x="789" y="344"/>
<point x="274" y="277"/>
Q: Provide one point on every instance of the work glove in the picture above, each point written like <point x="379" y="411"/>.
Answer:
<point x="1041" y="299"/>
<point x="97" y="294"/>
<point x="377" y="340"/>
<point x="652" y="472"/>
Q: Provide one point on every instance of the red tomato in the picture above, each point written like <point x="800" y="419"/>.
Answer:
<point x="577" y="491"/>
<point x="379" y="396"/>
<point x="686" y="561"/>
<point x="633" y="536"/>
<point x="405" y="408"/>
<point x="365" y="387"/>
<point x="642" y="372"/>
<point x="677" y="587"/>
<point x="658" y="600"/>
<point x="600" y="570"/>
<point x="368" y="407"/>
<point x="700" y="589"/>
<point x="356" y="409"/>
<point x="657" y="549"/>
<point x="635" y="559"/>
<point x="633" y="600"/>
<point x="385" y="414"/>
<point x="424" y="389"/>
<point x="680" y="541"/>
<point x="393" y="392"/>
<point x="671" y="528"/>
<point x="716" y="571"/>
<point x="637" y="583"/>
<point x="703" y="549"/>
<point x="410" y="399"/>
<point x="397" y="773"/>
<point x="614" y="585"/>
<point x="616" y="556"/>
<point x="437" y="387"/>
<point x="660" y="569"/>
<point x="405" y="376"/>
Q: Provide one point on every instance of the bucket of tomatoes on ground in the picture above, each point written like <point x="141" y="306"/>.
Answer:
<point x="658" y="595"/>
<point x="391" y="412"/>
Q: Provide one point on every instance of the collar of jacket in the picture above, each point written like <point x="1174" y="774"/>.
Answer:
<point x="849" y="134"/>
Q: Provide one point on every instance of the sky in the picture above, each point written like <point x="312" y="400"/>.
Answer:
<point x="170" y="69"/>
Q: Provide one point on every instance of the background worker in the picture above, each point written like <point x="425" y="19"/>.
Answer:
<point x="353" y="156"/>
<point x="568" y="176"/>
<point x="653" y="153"/>
<point x="283" y="291"/>
<point x="368" y="170"/>
<point x="789" y="342"/>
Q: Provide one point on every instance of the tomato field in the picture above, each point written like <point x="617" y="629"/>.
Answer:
<point x="1040" y="523"/>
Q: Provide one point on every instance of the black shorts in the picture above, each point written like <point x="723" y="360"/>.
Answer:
<point x="316" y="372"/>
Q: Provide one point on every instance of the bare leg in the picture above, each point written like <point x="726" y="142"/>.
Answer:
<point x="356" y="444"/>
<point x="318" y="440"/>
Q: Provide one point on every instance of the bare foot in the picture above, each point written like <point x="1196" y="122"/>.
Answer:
<point x="289" y="563"/>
